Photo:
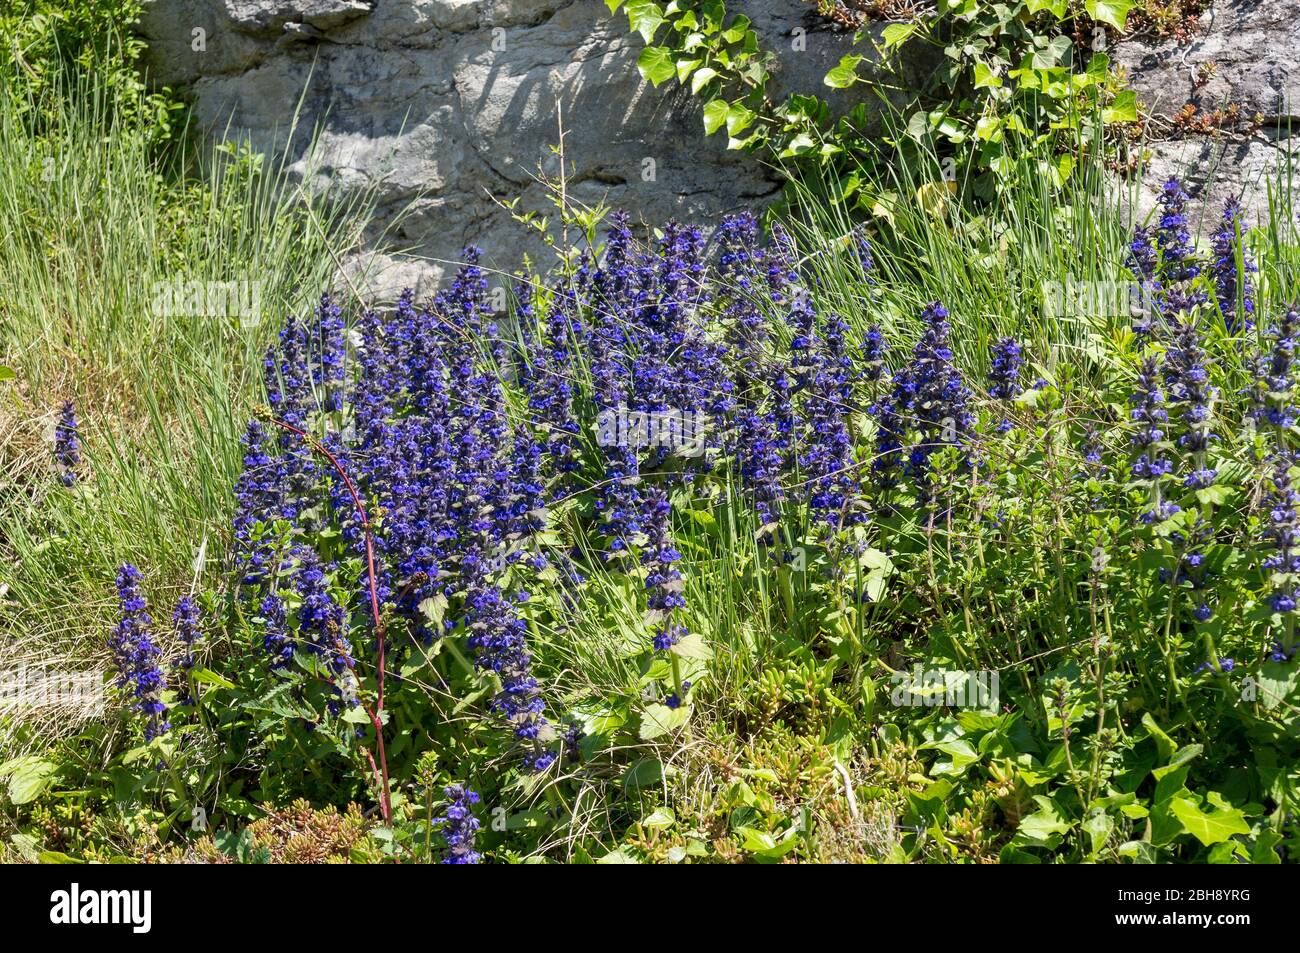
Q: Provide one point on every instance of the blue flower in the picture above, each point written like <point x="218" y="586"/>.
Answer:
<point x="459" y="825"/>
<point x="67" y="444"/>
<point x="1229" y="284"/>
<point x="136" y="656"/>
<point x="927" y="407"/>
<point x="185" y="623"/>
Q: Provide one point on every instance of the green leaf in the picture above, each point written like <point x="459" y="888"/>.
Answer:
<point x="896" y="34"/>
<point x="1098" y="826"/>
<point x="1209" y="828"/>
<point x="1056" y="7"/>
<point x="7" y="373"/>
<point x="659" y="720"/>
<point x="646" y="773"/>
<point x="619" y="856"/>
<point x="693" y="646"/>
<point x="29" y="777"/>
<point x="844" y="75"/>
<point x="985" y="77"/>
<point x="1045" y="826"/>
<point x="715" y="115"/>
<point x="1123" y="109"/>
<point x="739" y="118"/>
<point x="1113" y="12"/>
<point x="645" y="16"/>
<point x="434" y="608"/>
<point x="205" y="676"/>
<point x="703" y="76"/>
<point x="656" y="64"/>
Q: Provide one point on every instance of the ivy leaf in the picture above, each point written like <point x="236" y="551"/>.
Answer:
<point x="613" y="5"/>
<point x="645" y="16"/>
<point x="7" y="373"/>
<point x="702" y="77"/>
<point x="656" y="64"/>
<point x="1113" y="12"/>
<point x="739" y="118"/>
<point x="844" y="75"/>
<point x="1055" y="7"/>
<point x="715" y="114"/>
<point x="1209" y="828"/>
<point x="985" y="77"/>
<point x="1123" y="109"/>
<point x="896" y="34"/>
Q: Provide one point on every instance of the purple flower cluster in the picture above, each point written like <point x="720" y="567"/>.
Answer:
<point x="1151" y="417"/>
<point x="185" y="623"/>
<point x="1190" y="395"/>
<point x="1004" y="375"/>
<point x="928" y="407"/>
<point x="1272" y="394"/>
<point x="136" y="655"/>
<point x="459" y="825"/>
<point x="67" y="444"/>
<point x="1231" y="283"/>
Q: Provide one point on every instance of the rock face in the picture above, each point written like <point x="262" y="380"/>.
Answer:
<point x="1243" y="54"/>
<point x="449" y="108"/>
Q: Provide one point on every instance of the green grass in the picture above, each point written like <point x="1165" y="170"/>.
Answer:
<point x="93" y="223"/>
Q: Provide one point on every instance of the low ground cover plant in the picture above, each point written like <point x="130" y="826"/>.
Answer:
<point x="669" y="560"/>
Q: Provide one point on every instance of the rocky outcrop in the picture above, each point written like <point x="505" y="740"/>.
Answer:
<point x="1235" y="77"/>
<point x="448" y="109"/>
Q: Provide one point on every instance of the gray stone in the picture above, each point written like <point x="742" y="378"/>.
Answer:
<point x="1243" y="53"/>
<point x="447" y="109"/>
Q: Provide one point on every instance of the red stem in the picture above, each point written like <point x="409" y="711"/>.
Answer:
<point x="317" y="446"/>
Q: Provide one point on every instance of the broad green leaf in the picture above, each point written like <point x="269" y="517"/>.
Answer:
<point x="1123" y="109"/>
<point x="7" y="373"/>
<point x="1056" y="7"/>
<point x="693" y="646"/>
<point x="896" y="34"/>
<point x="659" y="720"/>
<point x="656" y="64"/>
<point x="645" y="16"/>
<point x="646" y="773"/>
<point x="1044" y="825"/>
<point x="1113" y="12"/>
<point x="1098" y="826"/>
<point x="985" y="77"/>
<point x="1209" y="828"/>
<point x="619" y="856"/>
<point x="844" y="75"/>
<point x="434" y="608"/>
<point x="702" y="77"/>
<point x="29" y="778"/>
<point x="739" y="118"/>
<point x="715" y="115"/>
